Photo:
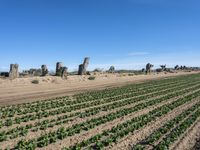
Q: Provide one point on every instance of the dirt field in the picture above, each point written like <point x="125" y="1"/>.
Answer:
<point x="125" y="118"/>
<point x="22" y="90"/>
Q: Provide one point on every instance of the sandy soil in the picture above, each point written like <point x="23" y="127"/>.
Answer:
<point x="22" y="90"/>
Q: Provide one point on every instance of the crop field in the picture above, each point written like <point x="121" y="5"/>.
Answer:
<point x="156" y="115"/>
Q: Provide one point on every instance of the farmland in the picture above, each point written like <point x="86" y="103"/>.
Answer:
<point x="156" y="114"/>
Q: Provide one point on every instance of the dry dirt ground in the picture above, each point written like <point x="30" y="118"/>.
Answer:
<point x="22" y="90"/>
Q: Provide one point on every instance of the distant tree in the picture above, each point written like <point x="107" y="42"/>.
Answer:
<point x="111" y="69"/>
<point x="44" y="70"/>
<point x="98" y="70"/>
<point x="143" y="70"/>
<point x="163" y="67"/>
<point x="176" y="67"/>
<point x="148" y="68"/>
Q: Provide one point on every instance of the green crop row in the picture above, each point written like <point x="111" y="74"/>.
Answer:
<point x="160" y="132"/>
<point x="41" y="106"/>
<point x="113" y="135"/>
<point x="114" y="92"/>
<point x="40" y="115"/>
<point x="14" y="133"/>
<point x="173" y="136"/>
<point x="109" y="92"/>
<point x="62" y="133"/>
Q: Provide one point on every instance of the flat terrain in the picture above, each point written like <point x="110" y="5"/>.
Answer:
<point x="158" y="114"/>
<point x="22" y="90"/>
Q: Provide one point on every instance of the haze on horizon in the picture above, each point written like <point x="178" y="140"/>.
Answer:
<point x="124" y="33"/>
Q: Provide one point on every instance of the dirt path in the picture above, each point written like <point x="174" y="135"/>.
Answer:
<point x="22" y="90"/>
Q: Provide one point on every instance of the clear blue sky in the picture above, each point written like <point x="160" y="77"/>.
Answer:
<point x="124" y="33"/>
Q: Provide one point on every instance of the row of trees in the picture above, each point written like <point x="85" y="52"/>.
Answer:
<point x="149" y="69"/>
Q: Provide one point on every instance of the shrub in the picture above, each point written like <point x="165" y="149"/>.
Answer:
<point x="35" y="81"/>
<point x="91" y="78"/>
<point x="130" y="74"/>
